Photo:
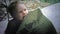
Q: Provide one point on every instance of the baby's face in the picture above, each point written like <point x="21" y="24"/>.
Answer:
<point x="22" y="11"/>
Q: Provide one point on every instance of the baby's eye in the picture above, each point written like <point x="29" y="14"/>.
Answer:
<point x="24" y="9"/>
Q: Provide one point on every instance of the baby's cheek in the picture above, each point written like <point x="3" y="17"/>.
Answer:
<point x="20" y="15"/>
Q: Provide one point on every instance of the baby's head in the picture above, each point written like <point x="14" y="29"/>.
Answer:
<point x="17" y="10"/>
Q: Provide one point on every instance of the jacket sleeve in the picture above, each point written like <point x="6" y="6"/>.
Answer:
<point x="51" y="29"/>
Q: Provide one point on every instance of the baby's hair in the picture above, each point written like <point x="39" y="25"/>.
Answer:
<point x="12" y="7"/>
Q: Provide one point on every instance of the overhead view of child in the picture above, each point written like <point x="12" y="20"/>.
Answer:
<point x="32" y="25"/>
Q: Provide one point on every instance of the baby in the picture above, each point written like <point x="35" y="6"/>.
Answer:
<point x="18" y="11"/>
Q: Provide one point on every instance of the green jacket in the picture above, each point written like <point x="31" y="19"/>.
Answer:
<point x="36" y="23"/>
